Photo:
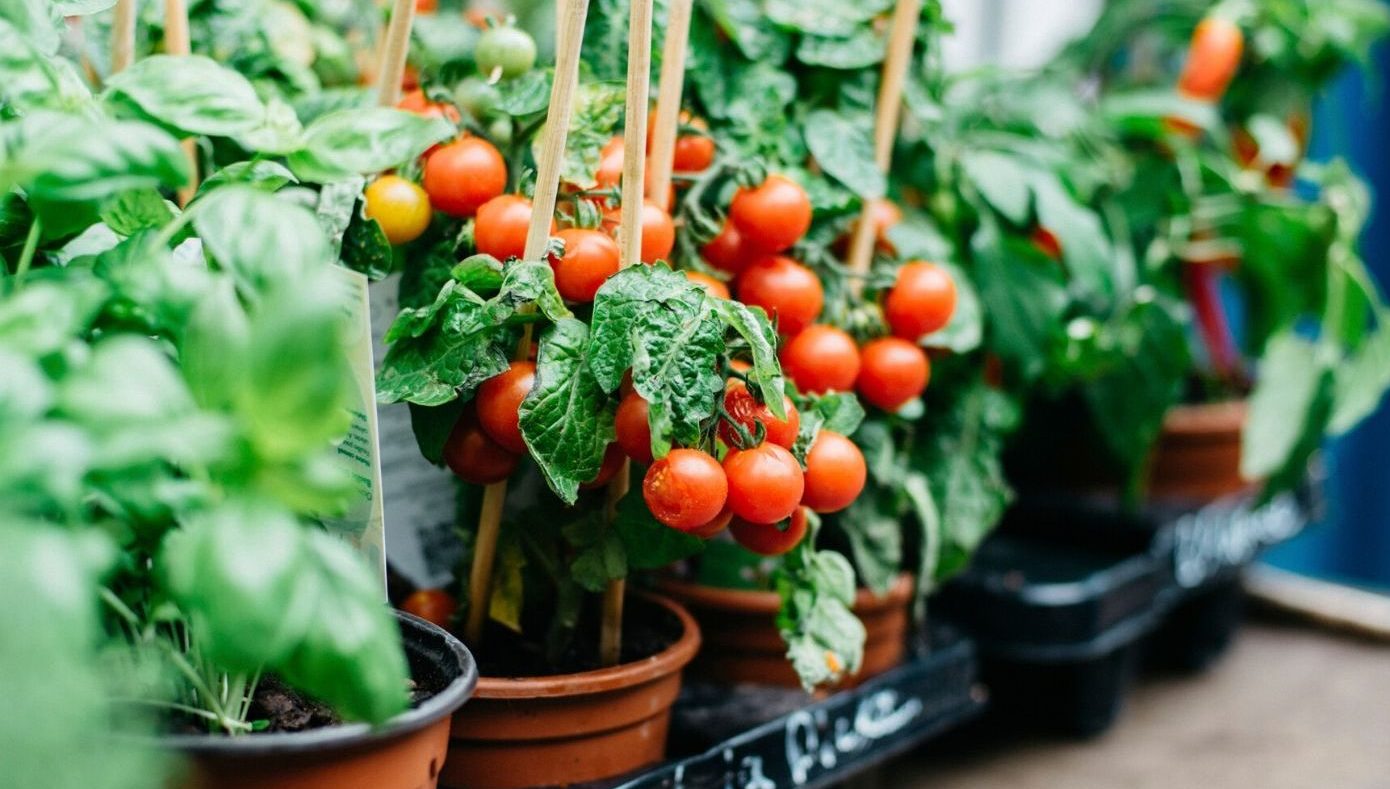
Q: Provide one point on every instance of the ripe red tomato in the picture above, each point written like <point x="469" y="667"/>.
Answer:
<point x="1213" y="56"/>
<point x="501" y="227"/>
<point x="464" y="174"/>
<point x="770" y="539"/>
<point x="426" y="7"/>
<point x="746" y="410"/>
<point x="835" y="473"/>
<point x="473" y="456"/>
<point x="498" y="400"/>
<point x="435" y="606"/>
<point x="821" y="359"/>
<point x="634" y="431"/>
<point x="591" y="257"/>
<point x="400" y="206"/>
<point x="765" y="483"/>
<point x="720" y="523"/>
<point x="712" y="286"/>
<point x="658" y="233"/>
<point x="613" y="458"/>
<point x="922" y="300"/>
<point x="773" y="215"/>
<point x="788" y="292"/>
<point x="610" y="164"/>
<point x="693" y="152"/>
<point x="725" y="251"/>
<point x="892" y="372"/>
<point x="415" y="101"/>
<point x="1046" y="242"/>
<point x="686" y="489"/>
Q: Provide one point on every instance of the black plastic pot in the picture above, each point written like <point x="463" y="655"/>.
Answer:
<point x="404" y="753"/>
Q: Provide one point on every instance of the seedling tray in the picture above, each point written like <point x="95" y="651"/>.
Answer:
<point x="1067" y="606"/>
<point x="762" y="737"/>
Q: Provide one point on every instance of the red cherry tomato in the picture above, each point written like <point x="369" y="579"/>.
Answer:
<point x="658" y="233"/>
<point x="435" y="606"/>
<point x="686" y="489"/>
<point x="501" y="227"/>
<point x="821" y="359"/>
<point x="765" y="483"/>
<point x="712" y="286"/>
<point x="835" y="473"/>
<point x="770" y="539"/>
<point x="892" y="372"/>
<point x="725" y="251"/>
<point x="610" y="164"/>
<point x="399" y="206"/>
<point x="720" y="523"/>
<point x="747" y="411"/>
<point x="1213" y="56"/>
<point x="922" y="300"/>
<point x="693" y="152"/>
<point x="498" y="401"/>
<point x="613" y="458"/>
<point x="788" y="292"/>
<point x="773" y="215"/>
<point x="464" y="174"/>
<point x="590" y="258"/>
<point x="415" y="101"/>
<point x="1046" y="242"/>
<point x="634" y="431"/>
<point x="473" y="456"/>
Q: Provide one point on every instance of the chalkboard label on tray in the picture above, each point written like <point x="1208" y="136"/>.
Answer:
<point x="1228" y="533"/>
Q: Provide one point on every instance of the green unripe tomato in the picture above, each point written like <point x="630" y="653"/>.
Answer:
<point x="500" y="132"/>
<point x="508" y="48"/>
<point x="476" y="96"/>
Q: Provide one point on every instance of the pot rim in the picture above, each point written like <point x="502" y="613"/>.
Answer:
<point x="328" y="738"/>
<point x="1198" y="419"/>
<point x="757" y="601"/>
<point x="666" y="662"/>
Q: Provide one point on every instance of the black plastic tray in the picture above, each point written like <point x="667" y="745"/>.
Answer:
<point x="762" y="737"/>
<point x="1067" y="604"/>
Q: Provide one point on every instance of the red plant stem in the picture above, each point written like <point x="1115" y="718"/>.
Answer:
<point x="1200" y="282"/>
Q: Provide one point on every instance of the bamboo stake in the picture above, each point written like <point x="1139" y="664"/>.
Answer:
<point x="548" y="164"/>
<point x="906" y="15"/>
<point x="639" y="66"/>
<point x="394" y="50"/>
<point x="122" y="35"/>
<point x="668" y="103"/>
<point x="177" y="42"/>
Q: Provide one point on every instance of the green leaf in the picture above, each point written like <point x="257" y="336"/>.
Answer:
<point x="287" y="241"/>
<point x="335" y="209"/>
<point x="862" y="48"/>
<point x="261" y="173"/>
<point x="30" y="80"/>
<point x="1361" y="381"/>
<point x="42" y="317"/>
<point x="1288" y="408"/>
<point x="65" y="158"/>
<point x="1090" y="259"/>
<point x="756" y="330"/>
<point x="838" y="412"/>
<point x="966" y="329"/>
<point x="824" y="639"/>
<point x="364" y="141"/>
<point x="152" y="288"/>
<point x="845" y="150"/>
<point x="130" y="212"/>
<point x="190" y="94"/>
<point x="432" y="426"/>
<point x="597" y="111"/>
<point x="36" y="20"/>
<point x="1146" y="113"/>
<point x="1001" y="181"/>
<point x="212" y="352"/>
<point x="566" y="418"/>
<point x="648" y="543"/>
<point x="823" y="17"/>
<point x="526" y="95"/>
<point x="1024" y="298"/>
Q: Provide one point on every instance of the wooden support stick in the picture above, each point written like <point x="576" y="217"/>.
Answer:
<point x="394" y="50"/>
<point x="122" y="35"/>
<point x="668" y="103"/>
<point x="639" y="66"/>
<point x="557" y="126"/>
<point x="177" y="42"/>
<point x="902" y="34"/>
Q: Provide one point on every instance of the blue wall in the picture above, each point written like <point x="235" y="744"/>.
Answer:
<point x="1353" y="545"/>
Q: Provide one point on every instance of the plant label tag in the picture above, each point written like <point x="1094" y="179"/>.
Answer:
<point x="364" y="522"/>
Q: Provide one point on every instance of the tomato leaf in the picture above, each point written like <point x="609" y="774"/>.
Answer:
<point x="845" y="150"/>
<point x="823" y="17"/>
<point x="755" y="329"/>
<point x="1000" y="179"/>
<point x="1290" y="405"/>
<point x="188" y="94"/>
<point x="526" y="95"/>
<point x="599" y="557"/>
<point x="566" y="418"/>
<point x="1361" y="381"/>
<point x="862" y="48"/>
<point x="824" y="639"/>
<point x="650" y="544"/>
<point x="364" y="141"/>
<point x="597" y="111"/>
<point x="838" y="412"/>
<point x="1025" y="298"/>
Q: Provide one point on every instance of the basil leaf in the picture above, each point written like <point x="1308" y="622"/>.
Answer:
<point x="142" y="209"/>
<point x="364" y="141"/>
<point x="190" y="94"/>
<point x="287" y="240"/>
<point x="260" y="173"/>
<point x="66" y="158"/>
<point x="566" y="418"/>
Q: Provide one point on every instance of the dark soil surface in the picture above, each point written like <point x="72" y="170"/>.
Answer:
<point x="286" y="709"/>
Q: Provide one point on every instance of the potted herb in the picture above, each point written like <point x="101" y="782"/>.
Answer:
<point x="185" y="384"/>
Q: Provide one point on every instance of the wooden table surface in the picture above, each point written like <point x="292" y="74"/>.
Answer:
<point x="1288" y="706"/>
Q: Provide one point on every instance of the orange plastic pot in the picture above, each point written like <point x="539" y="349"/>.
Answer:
<point x="570" y="728"/>
<point x="404" y="753"/>
<point x="743" y="644"/>
<point x="1197" y="457"/>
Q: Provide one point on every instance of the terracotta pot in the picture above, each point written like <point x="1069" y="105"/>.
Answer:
<point x="1197" y="457"/>
<point x="570" y="728"/>
<point x="743" y="644"/>
<point x="404" y="753"/>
